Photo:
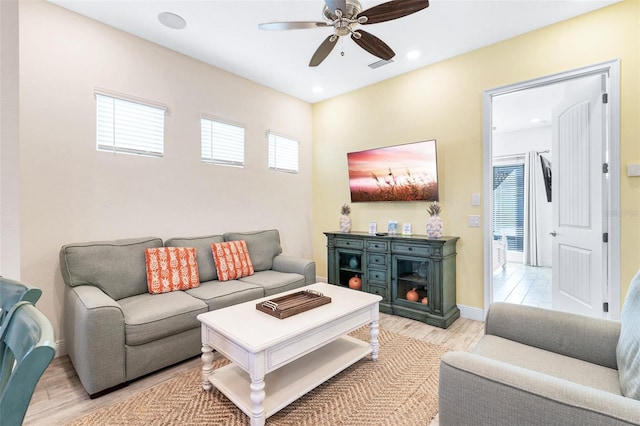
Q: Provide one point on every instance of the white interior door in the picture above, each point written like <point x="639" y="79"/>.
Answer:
<point x="579" y="277"/>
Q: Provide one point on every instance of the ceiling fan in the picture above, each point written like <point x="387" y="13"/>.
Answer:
<point x="344" y="16"/>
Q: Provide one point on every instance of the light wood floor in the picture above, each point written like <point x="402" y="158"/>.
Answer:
<point x="60" y="398"/>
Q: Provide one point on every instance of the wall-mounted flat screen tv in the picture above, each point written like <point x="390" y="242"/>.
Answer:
<point x="407" y="172"/>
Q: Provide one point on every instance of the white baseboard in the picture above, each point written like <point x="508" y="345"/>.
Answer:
<point x="471" y="313"/>
<point x="61" y="348"/>
<point x="321" y="279"/>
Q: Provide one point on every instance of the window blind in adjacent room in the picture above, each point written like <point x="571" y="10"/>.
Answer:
<point x="508" y="204"/>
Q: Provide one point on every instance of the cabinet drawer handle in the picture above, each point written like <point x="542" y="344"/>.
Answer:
<point x="410" y="248"/>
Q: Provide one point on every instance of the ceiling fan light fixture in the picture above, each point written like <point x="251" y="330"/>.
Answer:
<point x="344" y="16"/>
<point x="172" y="20"/>
<point x="380" y="63"/>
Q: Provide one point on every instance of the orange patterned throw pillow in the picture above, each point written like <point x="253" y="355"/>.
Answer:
<point x="232" y="260"/>
<point x="171" y="269"/>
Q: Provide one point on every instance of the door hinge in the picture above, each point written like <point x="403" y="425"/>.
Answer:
<point x="605" y="167"/>
<point x="605" y="307"/>
<point x="605" y="98"/>
<point x="605" y="237"/>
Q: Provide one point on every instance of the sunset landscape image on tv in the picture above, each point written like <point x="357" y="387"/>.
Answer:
<point x="406" y="172"/>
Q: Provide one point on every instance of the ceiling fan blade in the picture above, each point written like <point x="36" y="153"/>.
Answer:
<point x="393" y="9"/>
<point x="333" y="5"/>
<point x="301" y="25"/>
<point x="323" y="51"/>
<point x="373" y="45"/>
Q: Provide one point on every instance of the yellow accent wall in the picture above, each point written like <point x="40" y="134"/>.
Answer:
<point x="444" y="102"/>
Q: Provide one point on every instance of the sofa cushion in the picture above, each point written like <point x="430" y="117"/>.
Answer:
<point x="263" y="246"/>
<point x="150" y="317"/>
<point x="550" y="363"/>
<point x="116" y="267"/>
<point x="232" y="260"/>
<point x="171" y="269"/>
<point x="275" y="282"/>
<point x="220" y="294"/>
<point x="206" y="265"/>
<point x="628" y="349"/>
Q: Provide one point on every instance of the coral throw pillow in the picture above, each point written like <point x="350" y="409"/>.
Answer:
<point x="171" y="269"/>
<point x="232" y="260"/>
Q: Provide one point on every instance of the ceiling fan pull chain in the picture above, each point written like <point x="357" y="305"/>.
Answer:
<point x="341" y="47"/>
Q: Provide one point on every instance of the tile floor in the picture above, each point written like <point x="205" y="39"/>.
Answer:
<point x="523" y="285"/>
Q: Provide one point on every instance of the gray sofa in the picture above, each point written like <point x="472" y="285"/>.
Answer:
<point x="117" y="331"/>
<point x="537" y="367"/>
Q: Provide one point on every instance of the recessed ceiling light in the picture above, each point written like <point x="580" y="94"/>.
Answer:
<point x="172" y="20"/>
<point x="536" y="120"/>
<point x="413" y="54"/>
<point x="317" y="89"/>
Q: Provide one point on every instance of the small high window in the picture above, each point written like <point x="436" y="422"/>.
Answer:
<point x="222" y="143"/>
<point x="283" y="153"/>
<point x="129" y="127"/>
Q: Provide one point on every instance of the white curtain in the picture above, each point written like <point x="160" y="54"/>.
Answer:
<point x="532" y="178"/>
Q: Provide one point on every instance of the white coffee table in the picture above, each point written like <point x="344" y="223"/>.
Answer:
<point x="276" y="361"/>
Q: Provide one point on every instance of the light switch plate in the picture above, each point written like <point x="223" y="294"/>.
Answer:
<point x="475" y="199"/>
<point x="473" y="220"/>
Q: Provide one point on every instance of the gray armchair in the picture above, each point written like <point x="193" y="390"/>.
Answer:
<point x="537" y="367"/>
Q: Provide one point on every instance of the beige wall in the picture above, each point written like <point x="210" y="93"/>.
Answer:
<point x="72" y="193"/>
<point x="444" y="102"/>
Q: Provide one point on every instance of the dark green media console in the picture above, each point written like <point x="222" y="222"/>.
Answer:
<point x="397" y="267"/>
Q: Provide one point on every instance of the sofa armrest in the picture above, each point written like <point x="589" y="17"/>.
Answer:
<point x="477" y="390"/>
<point x="589" y="339"/>
<point x="95" y="336"/>
<point x="298" y="265"/>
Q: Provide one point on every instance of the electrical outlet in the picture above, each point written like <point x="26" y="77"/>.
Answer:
<point x="473" y="220"/>
<point x="633" y="169"/>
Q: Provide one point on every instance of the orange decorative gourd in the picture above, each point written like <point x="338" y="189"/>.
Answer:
<point x="412" y="295"/>
<point x="355" y="283"/>
<point x="425" y="300"/>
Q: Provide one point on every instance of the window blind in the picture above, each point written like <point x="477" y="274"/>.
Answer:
<point x="283" y="153"/>
<point x="129" y="127"/>
<point x="222" y="143"/>
<point x="508" y="204"/>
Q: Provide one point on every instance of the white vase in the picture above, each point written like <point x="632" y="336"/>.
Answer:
<point x="345" y="223"/>
<point x="434" y="227"/>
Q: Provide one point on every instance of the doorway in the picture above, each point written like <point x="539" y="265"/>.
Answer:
<point x="521" y="242"/>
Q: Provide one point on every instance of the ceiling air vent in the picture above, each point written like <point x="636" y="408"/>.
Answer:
<point x="380" y="63"/>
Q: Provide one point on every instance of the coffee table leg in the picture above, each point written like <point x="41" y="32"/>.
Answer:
<point x="207" y="366"/>
<point x="258" y="417"/>
<point x="374" y="331"/>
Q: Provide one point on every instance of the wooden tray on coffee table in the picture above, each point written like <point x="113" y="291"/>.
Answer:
<point x="292" y="304"/>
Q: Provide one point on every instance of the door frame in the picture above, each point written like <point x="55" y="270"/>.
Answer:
<point x="612" y="69"/>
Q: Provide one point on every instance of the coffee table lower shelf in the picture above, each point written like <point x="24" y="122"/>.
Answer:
<point x="290" y="382"/>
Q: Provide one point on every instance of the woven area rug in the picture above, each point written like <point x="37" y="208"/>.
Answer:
<point x="401" y="388"/>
